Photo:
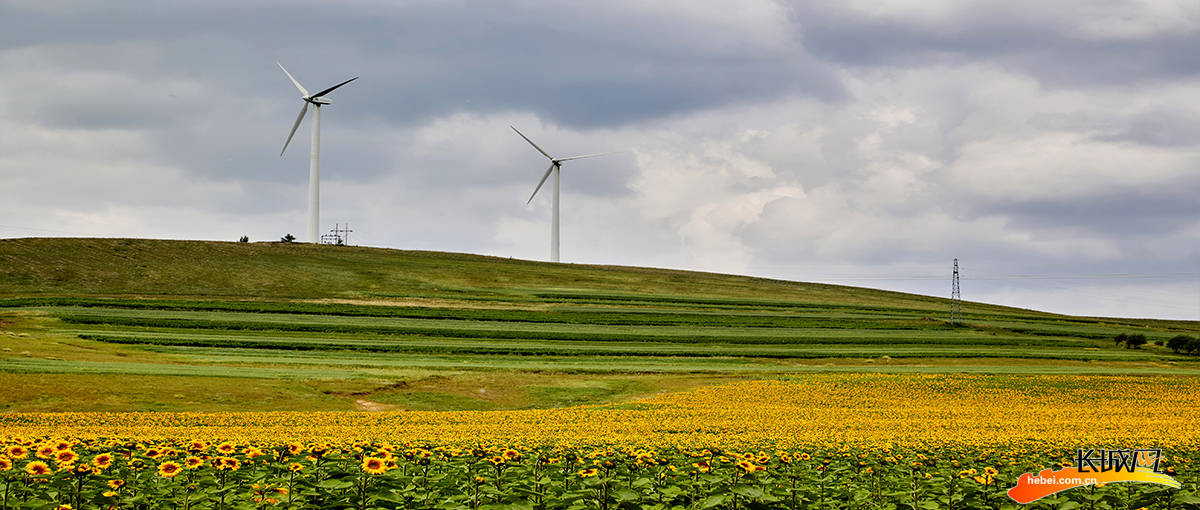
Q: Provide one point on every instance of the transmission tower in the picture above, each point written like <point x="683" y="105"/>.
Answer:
<point x="955" y="298"/>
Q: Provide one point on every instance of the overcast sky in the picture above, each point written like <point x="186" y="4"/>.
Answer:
<point x="1054" y="151"/>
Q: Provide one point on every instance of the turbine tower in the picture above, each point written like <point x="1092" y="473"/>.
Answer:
<point x="314" y="163"/>
<point x="555" y="166"/>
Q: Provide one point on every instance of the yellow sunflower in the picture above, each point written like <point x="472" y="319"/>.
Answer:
<point x="169" y="469"/>
<point x="38" y="468"/>
<point x="374" y="466"/>
<point x="66" y="457"/>
<point x="17" y="452"/>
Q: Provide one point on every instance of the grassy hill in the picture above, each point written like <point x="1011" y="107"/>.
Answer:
<point x="143" y="267"/>
<point x="121" y="324"/>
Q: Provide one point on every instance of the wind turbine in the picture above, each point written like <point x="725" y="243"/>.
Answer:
<point x="314" y="162"/>
<point x="555" y="166"/>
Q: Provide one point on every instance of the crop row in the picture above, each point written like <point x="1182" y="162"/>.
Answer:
<point x="597" y="317"/>
<point x="570" y="348"/>
<point x="453" y="329"/>
<point x="369" y="332"/>
<point x="803" y="315"/>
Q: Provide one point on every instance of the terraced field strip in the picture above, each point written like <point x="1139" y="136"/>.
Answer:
<point x="440" y="327"/>
<point x="649" y="311"/>
<point x="266" y="365"/>
<point x="597" y="322"/>
<point x="828" y="317"/>
<point x="794" y="336"/>
<point x="47" y="366"/>
<point x="545" y="329"/>
<point x="473" y="346"/>
<point x="221" y="362"/>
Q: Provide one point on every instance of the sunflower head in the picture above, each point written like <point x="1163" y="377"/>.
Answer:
<point x="17" y="452"/>
<point x="38" y="468"/>
<point x="103" y="461"/>
<point x="66" y="457"/>
<point x="169" y="469"/>
<point x="374" y="466"/>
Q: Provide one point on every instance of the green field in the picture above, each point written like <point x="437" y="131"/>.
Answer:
<point x="228" y="326"/>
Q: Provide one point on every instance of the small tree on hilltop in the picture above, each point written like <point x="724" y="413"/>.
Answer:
<point x="287" y="238"/>
<point x="244" y="239"/>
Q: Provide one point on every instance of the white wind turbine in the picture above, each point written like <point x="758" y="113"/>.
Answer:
<point x="314" y="163"/>
<point x="555" y="166"/>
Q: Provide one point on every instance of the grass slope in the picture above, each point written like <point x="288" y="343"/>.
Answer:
<point x="125" y="324"/>
<point x="143" y="267"/>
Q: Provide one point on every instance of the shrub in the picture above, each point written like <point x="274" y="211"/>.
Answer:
<point x="1135" y="341"/>
<point x="1193" y="346"/>
<point x="1179" y="343"/>
<point x="1120" y="338"/>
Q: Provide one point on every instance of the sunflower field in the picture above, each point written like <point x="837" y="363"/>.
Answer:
<point x="821" y="441"/>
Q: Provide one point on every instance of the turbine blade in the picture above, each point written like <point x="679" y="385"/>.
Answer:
<point x="331" y="89"/>
<point x="303" y="110"/>
<point x="586" y="156"/>
<point x="535" y="146"/>
<point x="294" y="82"/>
<point x="540" y="183"/>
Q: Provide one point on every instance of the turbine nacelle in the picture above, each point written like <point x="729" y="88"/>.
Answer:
<point x="317" y="99"/>
<point x="554" y="162"/>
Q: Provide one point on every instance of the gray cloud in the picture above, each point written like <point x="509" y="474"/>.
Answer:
<point x="791" y="139"/>
<point x="1080" y="44"/>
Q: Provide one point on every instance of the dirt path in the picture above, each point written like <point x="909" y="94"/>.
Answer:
<point x="367" y="405"/>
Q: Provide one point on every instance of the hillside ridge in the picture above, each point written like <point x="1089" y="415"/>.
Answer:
<point x="159" y="268"/>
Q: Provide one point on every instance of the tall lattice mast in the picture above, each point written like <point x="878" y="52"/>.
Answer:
<point x="955" y="298"/>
